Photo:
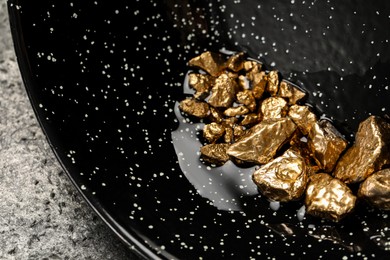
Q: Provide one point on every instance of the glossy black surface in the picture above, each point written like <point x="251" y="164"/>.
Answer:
<point x="104" y="76"/>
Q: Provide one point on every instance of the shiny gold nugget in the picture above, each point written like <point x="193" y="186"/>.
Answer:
<point x="328" y="198"/>
<point x="215" y="153"/>
<point x="369" y="153"/>
<point x="326" y="144"/>
<point x="194" y="107"/>
<point x="212" y="63"/>
<point x="263" y="140"/>
<point x="259" y="84"/>
<point x="273" y="82"/>
<point x="213" y="131"/>
<point x="250" y="119"/>
<point x="236" y="62"/>
<point x="247" y="98"/>
<point x="274" y="107"/>
<point x="302" y="117"/>
<point x="293" y="93"/>
<point x="223" y="92"/>
<point x="201" y="83"/>
<point x="284" y="178"/>
<point x="376" y="189"/>
<point x="236" y="111"/>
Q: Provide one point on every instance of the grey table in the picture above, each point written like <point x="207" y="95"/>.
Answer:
<point x="42" y="216"/>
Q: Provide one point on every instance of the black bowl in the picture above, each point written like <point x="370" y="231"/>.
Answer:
<point x="104" y="78"/>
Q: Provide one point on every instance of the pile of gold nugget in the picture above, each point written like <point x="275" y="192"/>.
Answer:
<point x="254" y="117"/>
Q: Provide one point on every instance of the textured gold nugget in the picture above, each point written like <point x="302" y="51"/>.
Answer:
<point x="376" y="189"/>
<point x="194" y="107"/>
<point x="263" y="140"/>
<point x="274" y="107"/>
<point x="201" y="83"/>
<point x="213" y="131"/>
<point x="370" y="152"/>
<point x="329" y="198"/>
<point x="326" y="144"/>
<point x="273" y="83"/>
<point x="212" y="63"/>
<point x="215" y="153"/>
<point x="284" y="178"/>
<point x="302" y="117"/>
<point x="223" y="92"/>
<point x="291" y="92"/>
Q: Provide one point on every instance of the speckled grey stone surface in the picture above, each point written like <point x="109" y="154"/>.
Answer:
<point x="42" y="216"/>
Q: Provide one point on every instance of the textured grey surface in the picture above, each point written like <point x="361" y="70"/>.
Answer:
<point x="42" y="216"/>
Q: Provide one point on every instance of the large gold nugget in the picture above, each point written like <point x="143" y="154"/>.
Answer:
<point x="326" y="144"/>
<point x="213" y="131"/>
<point x="376" y="189"/>
<point x="273" y="82"/>
<point x="274" y="107"/>
<point x="370" y="152"/>
<point x="293" y="93"/>
<point x="284" y="178"/>
<point x="194" y="107"/>
<point x="215" y="153"/>
<point x="236" y="62"/>
<point x="212" y="63"/>
<point x="302" y="117"/>
<point x="223" y="92"/>
<point x="201" y="83"/>
<point x="329" y="198"/>
<point x="263" y="140"/>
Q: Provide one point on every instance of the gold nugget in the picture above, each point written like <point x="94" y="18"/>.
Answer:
<point x="326" y="144"/>
<point x="236" y="111"/>
<point x="274" y="107"/>
<point x="213" y="131"/>
<point x="247" y="98"/>
<point x="250" y="119"/>
<point x="273" y="82"/>
<point x="290" y="91"/>
<point x="236" y="62"/>
<point x="201" y="83"/>
<point x="194" y="107"/>
<point x="376" y="189"/>
<point x="284" y="178"/>
<point x="223" y="92"/>
<point x="212" y="63"/>
<point x="263" y="140"/>
<point x="215" y="115"/>
<point x="329" y="198"/>
<point x="215" y="153"/>
<point x="370" y="152"/>
<point x="302" y="117"/>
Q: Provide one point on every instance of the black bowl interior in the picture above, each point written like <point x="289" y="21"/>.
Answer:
<point x="104" y="77"/>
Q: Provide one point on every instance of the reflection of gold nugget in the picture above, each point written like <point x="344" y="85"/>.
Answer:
<point x="328" y="198"/>
<point x="369" y="153"/>
<point x="326" y="144"/>
<point x="376" y="189"/>
<point x="263" y="140"/>
<point x="215" y="153"/>
<point x="194" y="107"/>
<point x="284" y="178"/>
<point x="208" y="61"/>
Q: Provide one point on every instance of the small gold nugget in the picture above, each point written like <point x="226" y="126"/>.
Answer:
<point x="215" y="153"/>
<point x="329" y="198"/>
<point x="284" y="178"/>
<point x="250" y="119"/>
<point x="236" y="111"/>
<point x="212" y="63"/>
<point x="247" y="98"/>
<point x="274" y="107"/>
<point x="273" y="82"/>
<point x="369" y="153"/>
<point x="326" y="144"/>
<point x="236" y="62"/>
<point x="201" y="83"/>
<point x="223" y="92"/>
<point x="259" y="84"/>
<point x="263" y="140"/>
<point x="302" y="117"/>
<point x="293" y="93"/>
<point x="194" y="107"/>
<point x="213" y="131"/>
<point x="376" y="189"/>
